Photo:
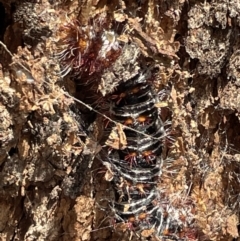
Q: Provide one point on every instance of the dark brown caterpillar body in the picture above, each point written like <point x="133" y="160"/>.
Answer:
<point x="137" y="168"/>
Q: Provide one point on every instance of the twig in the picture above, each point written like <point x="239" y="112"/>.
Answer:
<point x="9" y="52"/>
<point x="5" y="47"/>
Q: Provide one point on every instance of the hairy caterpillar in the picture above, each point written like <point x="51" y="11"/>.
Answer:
<point x="139" y="203"/>
<point x="137" y="166"/>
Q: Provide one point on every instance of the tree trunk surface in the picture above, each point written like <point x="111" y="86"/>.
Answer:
<point x="53" y="183"/>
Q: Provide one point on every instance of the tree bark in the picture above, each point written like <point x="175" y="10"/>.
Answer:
<point x="52" y="184"/>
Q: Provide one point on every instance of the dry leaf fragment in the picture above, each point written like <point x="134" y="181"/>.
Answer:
<point x="109" y="173"/>
<point x="117" y="138"/>
<point x="147" y="232"/>
<point x="232" y="223"/>
<point x="161" y="104"/>
<point x="119" y="17"/>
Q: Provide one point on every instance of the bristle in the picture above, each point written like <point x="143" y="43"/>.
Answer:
<point x="86" y="49"/>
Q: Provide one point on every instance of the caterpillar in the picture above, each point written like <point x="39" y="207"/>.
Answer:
<point x="136" y="169"/>
<point x="139" y="204"/>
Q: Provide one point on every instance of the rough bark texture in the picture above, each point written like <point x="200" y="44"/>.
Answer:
<point x="51" y="186"/>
